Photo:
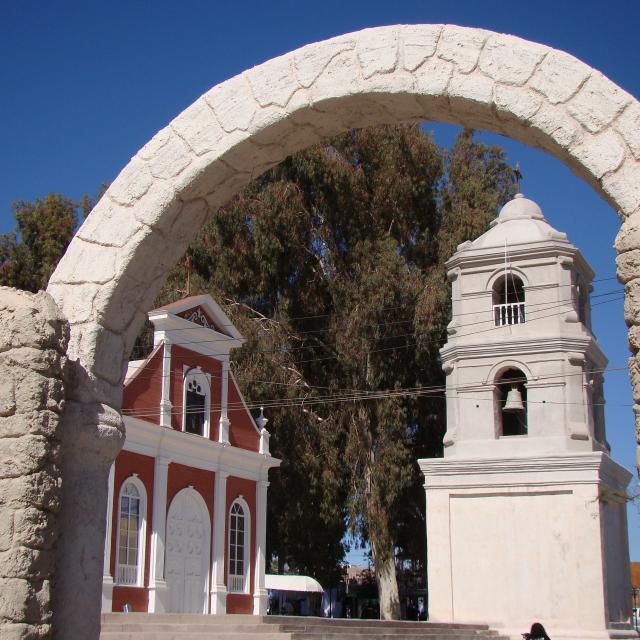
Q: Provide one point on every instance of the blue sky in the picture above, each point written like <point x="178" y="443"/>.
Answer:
<point x="87" y="83"/>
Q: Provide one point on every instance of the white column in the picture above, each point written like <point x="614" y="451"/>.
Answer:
<point x="157" y="583"/>
<point x="218" y="587"/>
<point x="223" y="431"/>
<point x="107" y="578"/>
<point x="165" y="399"/>
<point x="260" y="594"/>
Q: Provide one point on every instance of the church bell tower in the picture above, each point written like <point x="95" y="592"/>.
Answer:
<point x="526" y="512"/>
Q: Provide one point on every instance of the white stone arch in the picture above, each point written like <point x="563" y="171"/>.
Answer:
<point x="500" y="367"/>
<point x="118" y="260"/>
<point x="499" y="272"/>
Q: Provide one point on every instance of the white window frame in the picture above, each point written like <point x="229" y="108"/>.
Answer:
<point x="204" y="379"/>
<point x="233" y="580"/>
<point x="142" y="532"/>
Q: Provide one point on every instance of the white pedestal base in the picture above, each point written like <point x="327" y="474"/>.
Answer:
<point x="218" y="605"/>
<point x="518" y="540"/>
<point x="260" y="602"/>
<point x="158" y="597"/>
<point x="107" y="594"/>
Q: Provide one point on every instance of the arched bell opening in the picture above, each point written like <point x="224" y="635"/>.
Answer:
<point x="511" y="396"/>
<point x="508" y="300"/>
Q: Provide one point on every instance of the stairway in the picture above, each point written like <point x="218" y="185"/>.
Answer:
<point x="177" y="626"/>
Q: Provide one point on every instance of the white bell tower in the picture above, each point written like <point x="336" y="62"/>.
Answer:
<point x="526" y="512"/>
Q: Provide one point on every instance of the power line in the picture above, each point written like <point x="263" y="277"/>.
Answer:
<point x="411" y="344"/>
<point x="545" y="306"/>
<point x="357" y="396"/>
<point x="326" y="315"/>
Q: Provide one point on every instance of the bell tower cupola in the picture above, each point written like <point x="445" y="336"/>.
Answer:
<point x="524" y="371"/>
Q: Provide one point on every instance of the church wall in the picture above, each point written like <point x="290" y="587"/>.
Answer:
<point x="142" y="393"/>
<point x="242" y="434"/>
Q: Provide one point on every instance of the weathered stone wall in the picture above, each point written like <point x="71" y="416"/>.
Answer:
<point x="33" y="342"/>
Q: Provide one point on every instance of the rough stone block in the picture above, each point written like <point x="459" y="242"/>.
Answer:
<point x="233" y="103"/>
<point x="632" y="303"/>
<point x="339" y="78"/>
<point x="628" y="237"/>
<point x="312" y="60"/>
<point x="510" y="60"/>
<point x="274" y="82"/>
<point x="623" y="187"/>
<point x="33" y="528"/>
<point x="559" y="76"/>
<point x="628" y="264"/>
<point x="600" y="154"/>
<point x="553" y="122"/>
<point x="30" y="564"/>
<point x="171" y="158"/>
<point x="432" y="78"/>
<point x="516" y="102"/>
<point x="130" y="185"/>
<point x="377" y="51"/>
<point x="40" y="489"/>
<point x="25" y="455"/>
<point x="462" y="46"/>
<point x="418" y="44"/>
<point x="45" y="423"/>
<point x="198" y="127"/>
<point x="597" y="103"/>
<point x="91" y="263"/>
<point x="628" y="126"/>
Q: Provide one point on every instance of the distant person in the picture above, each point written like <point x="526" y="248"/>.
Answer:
<point x="537" y="633"/>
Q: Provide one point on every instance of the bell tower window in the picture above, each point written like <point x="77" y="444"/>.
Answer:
<point x="195" y="418"/>
<point x="511" y="396"/>
<point x="508" y="301"/>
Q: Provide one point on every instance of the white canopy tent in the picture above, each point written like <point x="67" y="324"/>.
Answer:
<point x="292" y="583"/>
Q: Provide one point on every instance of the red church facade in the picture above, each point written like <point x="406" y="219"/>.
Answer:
<point x="186" y="518"/>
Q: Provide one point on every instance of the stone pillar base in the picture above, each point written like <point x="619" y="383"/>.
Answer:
<point x="107" y="594"/>
<point x="158" y="595"/>
<point x="260" y="602"/>
<point x="218" y="600"/>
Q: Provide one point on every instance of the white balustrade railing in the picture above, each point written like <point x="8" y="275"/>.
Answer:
<point x="236" y="584"/>
<point x="127" y="574"/>
<point x="506" y="314"/>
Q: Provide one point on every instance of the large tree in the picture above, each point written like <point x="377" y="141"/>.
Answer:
<point x="44" y="228"/>
<point x="339" y="253"/>
<point x="332" y="265"/>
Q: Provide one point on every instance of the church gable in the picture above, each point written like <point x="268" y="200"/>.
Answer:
<point x="198" y="315"/>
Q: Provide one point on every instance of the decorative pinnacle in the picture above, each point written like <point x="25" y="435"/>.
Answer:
<point x="517" y="175"/>
<point x="261" y="421"/>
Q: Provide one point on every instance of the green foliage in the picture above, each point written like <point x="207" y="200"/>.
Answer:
<point x="333" y="266"/>
<point x="44" y="228"/>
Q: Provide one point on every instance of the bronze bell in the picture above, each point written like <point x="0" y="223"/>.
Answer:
<point x="514" y="401"/>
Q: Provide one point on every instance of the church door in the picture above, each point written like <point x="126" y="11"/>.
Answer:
<point x="187" y="556"/>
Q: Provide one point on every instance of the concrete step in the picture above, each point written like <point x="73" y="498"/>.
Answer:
<point x="172" y="626"/>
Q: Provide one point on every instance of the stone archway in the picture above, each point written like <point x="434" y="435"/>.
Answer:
<point x="118" y="260"/>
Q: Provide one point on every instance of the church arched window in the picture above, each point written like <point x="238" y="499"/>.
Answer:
<point x="511" y="397"/>
<point x="197" y="392"/>
<point x="508" y="300"/>
<point x="239" y="539"/>
<point x="132" y="509"/>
